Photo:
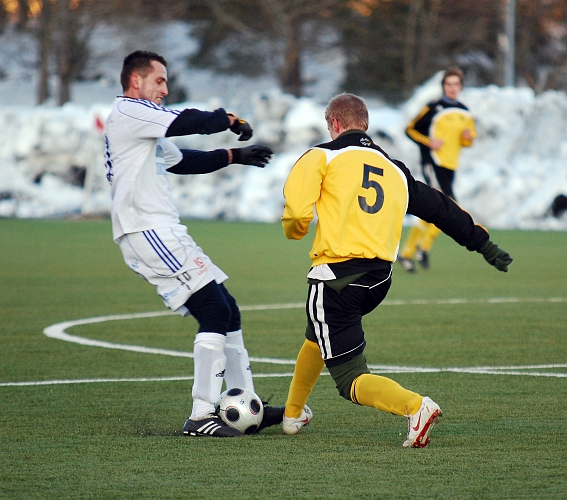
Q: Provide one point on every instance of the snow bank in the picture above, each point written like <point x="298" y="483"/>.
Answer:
<point x="51" y="160"/>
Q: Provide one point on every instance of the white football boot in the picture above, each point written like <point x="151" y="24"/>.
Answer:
<point x="292" y="425"/>
<point x="420" y="424"/>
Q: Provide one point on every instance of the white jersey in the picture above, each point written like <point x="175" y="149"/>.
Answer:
<point x="137" y="157"/>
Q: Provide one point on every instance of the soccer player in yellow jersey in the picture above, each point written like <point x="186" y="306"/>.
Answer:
<point x="440" y="130"/>
<point x="361" y="196"/>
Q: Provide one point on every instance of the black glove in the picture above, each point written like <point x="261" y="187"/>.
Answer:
<point x="495" y="256"/>
<point x="252" y="155"/>
<point x="241" y="128"/>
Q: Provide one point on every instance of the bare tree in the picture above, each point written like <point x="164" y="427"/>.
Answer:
<point x="289" y="19"/>
<point x="428" y="45"/>
<point x="421" y="29"/>
<point x="410" y="49"/>
<point x="45" y="46"/>
<point x="284" y="27"/>
<point x="3" y="17"/>
<point x="71" y="46"/>
<point x="63" y="31"/>
<point x="541" y="50"/>
<point x="390" y="46"/>
<point x="23" y="14"/>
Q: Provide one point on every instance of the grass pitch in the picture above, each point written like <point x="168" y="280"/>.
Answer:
<point x="503" y="435"/>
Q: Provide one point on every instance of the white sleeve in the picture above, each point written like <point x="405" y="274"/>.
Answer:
<point x="171" y="153"/>
<point x="146" y="120"/>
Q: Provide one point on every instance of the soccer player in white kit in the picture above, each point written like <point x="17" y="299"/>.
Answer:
<point x="146" y="226"/>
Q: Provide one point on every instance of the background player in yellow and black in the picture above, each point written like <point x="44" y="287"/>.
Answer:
<point x="361" y="196"/>
<point x="440" y="130"/>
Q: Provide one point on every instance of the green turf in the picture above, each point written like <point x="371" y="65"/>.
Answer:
<point x="502" y="436"/>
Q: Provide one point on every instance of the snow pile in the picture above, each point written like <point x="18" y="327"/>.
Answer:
<point x="523" y="166"/>
<point x="518" y="162"/>
<point x="51" y="160"/>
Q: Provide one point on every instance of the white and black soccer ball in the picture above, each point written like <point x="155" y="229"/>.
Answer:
<point x="241" y="409"/>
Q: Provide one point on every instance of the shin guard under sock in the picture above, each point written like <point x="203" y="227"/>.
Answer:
<point x="210" y="363"/>
<point x="384" y="394"/>
<point x="308" y="367"/>
<point x="238" y="372"/>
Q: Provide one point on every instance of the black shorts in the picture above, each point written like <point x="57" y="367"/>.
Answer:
<point x="334" y="320"/>
<point x="439" y="178"/>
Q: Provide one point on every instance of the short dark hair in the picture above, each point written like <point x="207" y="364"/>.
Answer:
<point x="349" y="110"/>
<point x="453" y="71"/>
<point x="140" y="62"/>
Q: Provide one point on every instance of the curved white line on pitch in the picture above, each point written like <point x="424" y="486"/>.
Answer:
<point x="57" y="331"/>
<point x="391" y="369"/>
<point x="107" y="380"/>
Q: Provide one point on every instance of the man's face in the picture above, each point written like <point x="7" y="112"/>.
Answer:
<point x="452" y="87"/>
<point x="153" y="87"/>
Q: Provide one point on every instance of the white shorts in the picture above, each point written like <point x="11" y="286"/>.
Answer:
<point x="170" y="260"/>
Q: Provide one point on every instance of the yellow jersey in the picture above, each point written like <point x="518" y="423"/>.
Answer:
<point x="445" y="120"/>
<point x="361" y="196"/>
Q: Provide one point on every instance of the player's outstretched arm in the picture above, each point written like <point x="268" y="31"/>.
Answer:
<point x="194" y="121"/>
<point x="433" y="206"/>
<point x="258" y="156"/>
<point x="495" y="256"/>
<point x="204" y="162"/>
<point x="195" y="162"/>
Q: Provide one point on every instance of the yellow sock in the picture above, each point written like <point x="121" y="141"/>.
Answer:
<point x="308" y="367"/>
<point x="413" y="240"/>
<point x="384" y="394"/>
<point x="430" y="236"/>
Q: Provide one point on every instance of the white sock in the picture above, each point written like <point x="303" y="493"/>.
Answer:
<point x="238" y="371"/>
<point x="210" y="364"/>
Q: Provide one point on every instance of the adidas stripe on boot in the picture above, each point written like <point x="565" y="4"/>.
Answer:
<point x="211" y="425"/>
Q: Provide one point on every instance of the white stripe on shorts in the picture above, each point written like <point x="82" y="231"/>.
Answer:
<point x="171" y="261"/>
<point x="317" y="315"/>
<point x="432" y="177"/>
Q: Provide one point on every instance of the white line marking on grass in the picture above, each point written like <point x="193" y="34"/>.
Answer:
<point x="506" y="372"/>
<point x="373" y="369"/>
<point x="57" y="331"/>
<point x="93" y="381"/>
<point x="110" y="380"/>
<point x="486" y="370"/>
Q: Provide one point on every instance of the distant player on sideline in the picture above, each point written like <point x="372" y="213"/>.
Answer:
<point x="361" y="196"/>
<point x="440" y="130"/>
<point x="146" y="226"/>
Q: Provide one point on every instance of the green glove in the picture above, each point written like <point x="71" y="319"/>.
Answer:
<point x="495" y="256"/>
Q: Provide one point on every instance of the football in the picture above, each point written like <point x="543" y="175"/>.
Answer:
<point x="241" y="409"/>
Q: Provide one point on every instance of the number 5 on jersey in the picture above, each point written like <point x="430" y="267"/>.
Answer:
<point x="368" y="183"/>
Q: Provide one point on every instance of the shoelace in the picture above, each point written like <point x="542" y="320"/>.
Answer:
<point x="267" y="401"/>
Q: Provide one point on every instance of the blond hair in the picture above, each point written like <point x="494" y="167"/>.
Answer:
<point x="349" y="110"/>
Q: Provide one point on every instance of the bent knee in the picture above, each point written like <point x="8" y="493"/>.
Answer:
<point x="345" y="373"/>
<point x="211" y="309"/>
